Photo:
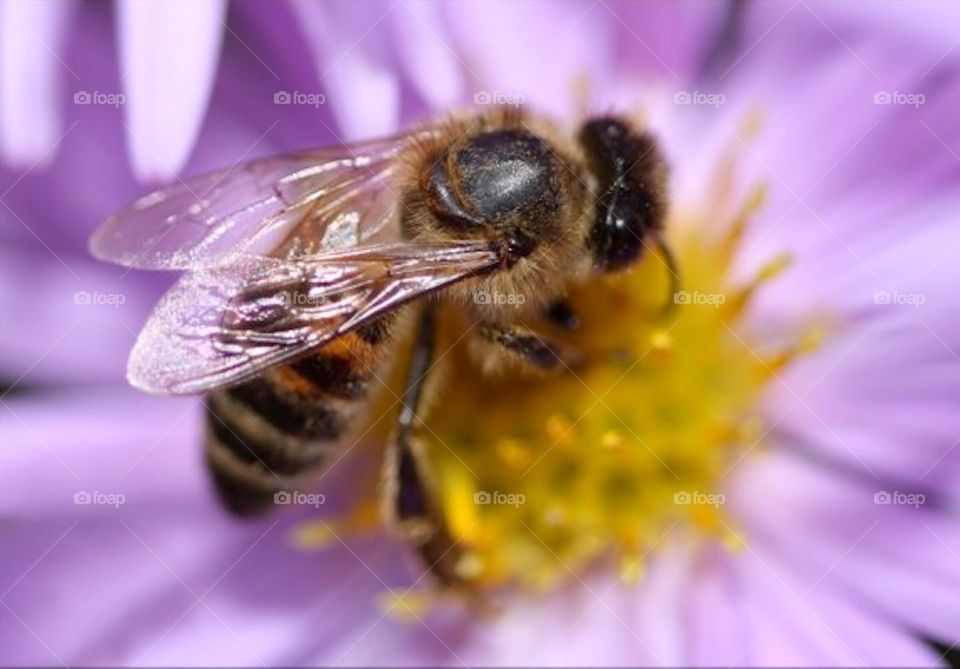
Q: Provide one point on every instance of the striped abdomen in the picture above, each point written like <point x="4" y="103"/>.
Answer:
<point x="264" y="435"/>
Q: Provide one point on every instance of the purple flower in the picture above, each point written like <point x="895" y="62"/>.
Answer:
<point x="798" y="418"/>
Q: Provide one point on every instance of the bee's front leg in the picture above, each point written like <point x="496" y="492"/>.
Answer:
<point x="524" y="345"/>
<point x="409" y="488"/>
<point x="561" y="314"/>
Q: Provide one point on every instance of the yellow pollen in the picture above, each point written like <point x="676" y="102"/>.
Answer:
<point x="661" y="342"/>
<point x="513" y="454"/>
<point x="557" y="427"/>
<point x="408" y="606"/>
<point x="313" y="536"/>
<point x="633" y="441"/>
<point x="734" y="542"/>
<point x="631" y="570"/>
<point x="320" y="534"/>
<point x="612" y="440"/>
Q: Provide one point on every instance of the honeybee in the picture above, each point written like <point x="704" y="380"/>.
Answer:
<point x="304" y="271"/>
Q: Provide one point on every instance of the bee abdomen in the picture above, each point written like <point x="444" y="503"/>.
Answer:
<point x="264" y="435"/>
<point x="294" y="413"/>
<point x="278" y="458"/>
<point x="335" y="375"/>
<point x="248" y="463"/>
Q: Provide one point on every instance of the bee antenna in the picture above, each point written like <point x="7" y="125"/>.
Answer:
<point x="670" y="260"/>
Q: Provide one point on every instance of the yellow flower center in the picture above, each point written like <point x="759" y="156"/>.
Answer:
<point x="543" y="477"/>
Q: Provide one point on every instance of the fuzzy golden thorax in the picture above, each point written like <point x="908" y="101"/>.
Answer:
<point x="509" y="178"/>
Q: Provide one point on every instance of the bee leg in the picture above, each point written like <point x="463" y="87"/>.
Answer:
<point x="561" y="314"/>
<point x="524" y="344"/>
<point x="409" y="485"/>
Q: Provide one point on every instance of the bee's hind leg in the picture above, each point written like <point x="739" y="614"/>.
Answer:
<point x="410" y="491"/>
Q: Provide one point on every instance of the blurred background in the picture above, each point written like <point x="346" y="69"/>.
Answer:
<point x="112" y="548"/>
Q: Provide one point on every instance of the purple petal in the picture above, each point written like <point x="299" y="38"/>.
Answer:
<point x="74" y="305"/>
<point x="899" y="560"/>
<point x="348" y="44"/>
<point x="598" y="620"/>
<point x="671" y="41"/>
<point x="428" y="53"/>
<point x="879" y="396"/>
<point x="32" y="75"/>
<point x="169" y="53"/>
<point x="96" y="441"/>
<point x="714" y="604"/>
<point x="532" y="52"/>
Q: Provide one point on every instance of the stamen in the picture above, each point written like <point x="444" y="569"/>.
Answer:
<point x="550" y="476"/>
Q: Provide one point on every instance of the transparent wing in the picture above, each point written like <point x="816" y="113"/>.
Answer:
<point x="226" y="324"/>
<point x="298" y="204"/>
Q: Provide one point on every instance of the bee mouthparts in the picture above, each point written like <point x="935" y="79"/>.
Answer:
<point x="518" y="246"/>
